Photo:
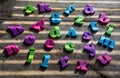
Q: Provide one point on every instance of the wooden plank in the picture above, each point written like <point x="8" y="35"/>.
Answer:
<point x="105" y="2"/>
<point x="38" y="0"/>
<point x="65" y="23"/>
<point x="71" y="61"/>
<point x="63" y="8"/>
<point x="71" y="16"/>
<point x="55" y="51"/>
<point x="62" y="32"/>
<point x="63" y="1"/>
<point x="37" y="41"/>
<point x="97" y="4"/>
<point x="30" y="73"/>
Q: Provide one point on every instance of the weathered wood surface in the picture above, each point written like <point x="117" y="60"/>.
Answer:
<point x="11" y="12"/>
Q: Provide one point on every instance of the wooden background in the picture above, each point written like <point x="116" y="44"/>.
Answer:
<point x="11" y="12"/>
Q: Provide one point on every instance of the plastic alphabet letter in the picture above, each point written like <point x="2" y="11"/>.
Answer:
<point x="29" y="9"/>
<point x="15" y="29"/>
<point x="69" y="47"/>
<point x="107" y="42"/>
<point x="79" y="20"/>
<point x="63" y="62"/>
<point x="29" y="39"/>
<point x="39" y="25"/>
<point x="88" y="9"/>
<point x="93" y="27"/>
<point x="104" y="59"/>
<point x="55" y="18"/>
<point x="110" y="30"/>
<point x="11" y="49"/>
<point x="55" y="32"/>
<point x="30" y="55"/>
<point x="71" y="33"/>
<point x="69" y="10"/>
<point x="86" y="36"/>
<point x="49" y="43"/>
<point x="82" y="66"/>
<point x="43" y="7"/>
<point x="103" y="19"/>
<point x="91" y="49"/>
<point x="45" y="60"/>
